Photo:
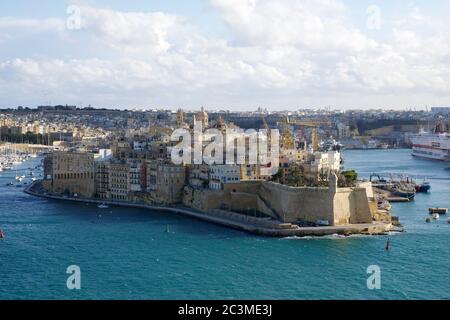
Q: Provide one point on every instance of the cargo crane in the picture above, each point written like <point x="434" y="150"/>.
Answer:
<point x="288" y="140"/>
<point x="266" y="126"/>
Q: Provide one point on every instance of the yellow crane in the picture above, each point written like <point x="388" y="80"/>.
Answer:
<point x="266" y="126"/>
<point x="288" y="139"/>
<point x="287" y="135"/>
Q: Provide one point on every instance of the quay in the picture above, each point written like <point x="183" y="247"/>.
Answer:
<point x="253" y="225"/>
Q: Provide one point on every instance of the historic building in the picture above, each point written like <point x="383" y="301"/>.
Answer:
<point x="165" y="181"/>
<point x="73" y="173"/>
<point x="219" y="175"/>
<point x="119" y="181"/>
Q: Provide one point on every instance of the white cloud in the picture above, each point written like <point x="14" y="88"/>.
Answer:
<point x="276" y="53"/>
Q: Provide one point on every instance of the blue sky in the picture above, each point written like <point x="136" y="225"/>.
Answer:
<point x="234" y="54"/>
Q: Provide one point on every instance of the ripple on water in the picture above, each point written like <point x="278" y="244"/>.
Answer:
<point x="128" y="254"/>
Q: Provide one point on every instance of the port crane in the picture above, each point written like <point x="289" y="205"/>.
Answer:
<point x="288" y="139"/>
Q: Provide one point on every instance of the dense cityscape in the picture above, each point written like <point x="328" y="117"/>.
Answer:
<point x="125" y="156"/>
<point x="211" y="157"/>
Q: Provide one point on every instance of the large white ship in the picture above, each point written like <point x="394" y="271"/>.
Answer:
<point x="431" y="145"/>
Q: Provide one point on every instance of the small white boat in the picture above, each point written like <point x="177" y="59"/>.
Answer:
<point x="103" y="206"/>
<point x="436" y="216"/>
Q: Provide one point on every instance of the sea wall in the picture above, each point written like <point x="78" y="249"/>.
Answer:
<point x="304" y="203"/>
<point x="338" y="206"/>
<point x="266" y="227"/>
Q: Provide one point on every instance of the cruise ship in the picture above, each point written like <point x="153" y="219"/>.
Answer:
<point x="431" y="145"/>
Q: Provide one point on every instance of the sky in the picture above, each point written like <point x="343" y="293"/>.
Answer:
<point x="225" y="54"/>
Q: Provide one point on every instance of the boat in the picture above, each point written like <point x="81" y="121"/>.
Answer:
<point x="436" y="216"/>
<point x="398" y="188"/>
<point x="424" y="187"/>
<point x="103" y="206"/>
<point x="438" y="210"/>
<point x="402" y="193"/>
<point x="431" y="145"/>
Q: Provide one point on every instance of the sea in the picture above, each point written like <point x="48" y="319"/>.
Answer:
<point x="125" y="253"/>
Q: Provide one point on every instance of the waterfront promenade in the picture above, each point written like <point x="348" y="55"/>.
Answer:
<point x="257" y="226"/>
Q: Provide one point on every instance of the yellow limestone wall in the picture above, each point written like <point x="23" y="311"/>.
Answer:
<point x="340" y="206"/>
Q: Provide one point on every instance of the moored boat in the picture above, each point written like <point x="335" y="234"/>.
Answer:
<point x="103" y="206"/>
<point x="438" y="210"/>
<point x="423" y="188"/>
<point x="432" y="145"/>
<point x="403" y="188"/>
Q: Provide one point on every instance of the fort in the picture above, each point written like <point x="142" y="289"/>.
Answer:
<point x="338" y="206"/>
<point x="268" y="208"/>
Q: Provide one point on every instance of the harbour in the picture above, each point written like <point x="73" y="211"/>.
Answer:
<point x="132" y="246"/>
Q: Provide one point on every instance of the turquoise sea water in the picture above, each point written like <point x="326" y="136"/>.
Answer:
<point x="127" y="254"/>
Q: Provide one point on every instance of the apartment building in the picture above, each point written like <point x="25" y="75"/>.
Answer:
<point x="119" y="180"/>
<point x="219" y="175"/>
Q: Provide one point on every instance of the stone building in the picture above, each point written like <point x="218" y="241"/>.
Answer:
<point x="198" y="175"/>
<point x="102" y="179"/>
<point x="135" y="176"/>
<point x="119" y="182"/>
<point x="253" y="172"/>
<point x="322" y="164"/>
<point x="223" y="174"/>
<point x="73" y="173"/>
<point x="48" y="168"/>
<point x="202" y="117"/>
<point x="165" y="181"/>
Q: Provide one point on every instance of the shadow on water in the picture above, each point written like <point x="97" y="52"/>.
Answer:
<point x="125" y="215"/>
